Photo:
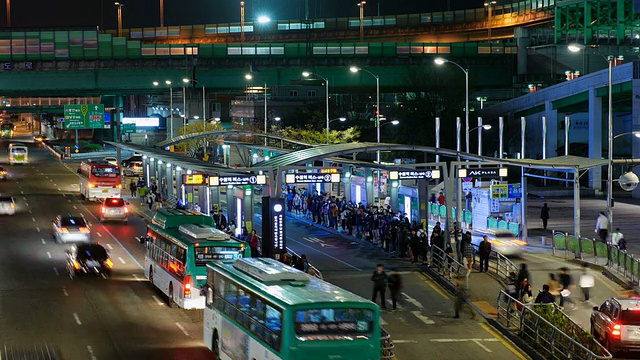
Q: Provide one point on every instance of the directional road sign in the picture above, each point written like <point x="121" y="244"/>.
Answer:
<point x="85" y="116"/>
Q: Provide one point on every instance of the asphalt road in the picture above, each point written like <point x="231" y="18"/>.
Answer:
<point x="89" y="318"/>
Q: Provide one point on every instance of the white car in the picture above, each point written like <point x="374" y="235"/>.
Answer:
<point x="7" y="205"/>
<point x="502" y="241"/>
<point x="111" y="160"/>
<point x="71" y="229"/>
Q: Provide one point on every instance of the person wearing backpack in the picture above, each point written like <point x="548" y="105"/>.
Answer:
<point x="395" y="286"/>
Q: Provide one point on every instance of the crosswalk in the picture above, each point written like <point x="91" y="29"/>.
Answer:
<point x="402" y="312"/>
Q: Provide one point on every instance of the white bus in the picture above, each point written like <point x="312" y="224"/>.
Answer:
<point x="18" y="154"/>
<point x="99" y="180"/>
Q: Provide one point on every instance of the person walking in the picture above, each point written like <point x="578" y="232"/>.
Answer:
<point x="554" y="286"/>
<point x="523" y="278"/>
<point x="602" y="226"/>
<point x="395" y="286"/>
<point x="379" y="279"/>
<point x="616" y="238"/>
<point x="468" y="250"/>
<point x="461" y="296"/>
<point x="253" y="244"/>
<point x="484" y="252"/>
<point x="565" y="294"/>
<point x="586" y="282"/>
<point x="133" y="188"/>
<point x="544" y="215"/>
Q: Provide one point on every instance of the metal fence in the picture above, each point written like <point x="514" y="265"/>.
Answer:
<point x="546" y="339"/>
<point x="387" y="345"/>
<point x="498" y="264"/>
<point x="447" y="266"/>
<point x="582" y="248"/>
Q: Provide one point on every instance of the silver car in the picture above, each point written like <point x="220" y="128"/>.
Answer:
<point x="71" y="228"/>
<point x="114" y="209"/>
<point x="7" y="205"/>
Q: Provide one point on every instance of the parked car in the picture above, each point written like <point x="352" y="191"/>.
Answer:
<point x="616" y="324"/>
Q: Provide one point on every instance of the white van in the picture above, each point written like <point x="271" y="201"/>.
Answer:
<point x="18" y="154"/>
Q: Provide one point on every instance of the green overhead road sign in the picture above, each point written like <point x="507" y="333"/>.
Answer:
<point x="86" y="116"/>
<point x="128" y="128"/>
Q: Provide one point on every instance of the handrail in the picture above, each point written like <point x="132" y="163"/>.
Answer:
<point x="446" y="265"/>
<point x="386" y="345"/>
<point x="619" y="261"/>
<point x="498" y="264"/>
<point x="521" y="320"/>
<point x="313" y="271"/>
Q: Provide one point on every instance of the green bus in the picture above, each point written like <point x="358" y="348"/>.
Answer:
<point x="179" y="246"/>
<point x="259" y="308"/>
<point x="6" y="129"/>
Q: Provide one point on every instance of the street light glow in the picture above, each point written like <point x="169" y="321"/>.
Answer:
<point x="486" y="127"/>
<point x="168" y="82"/>
<point x="306" y="74"/>
<point x="155" y="83"/>
<point x="354" y="69"/>
<point x="575" y="47"/>
<point x="248" y="76"/>
<point x="396" y="122"/>
<point x="263" y="19"/>
<point x="185" y="80"/>
<point x="345" y="119"/>
<point x="277" y="118"/>
<point x="440" y="61"/>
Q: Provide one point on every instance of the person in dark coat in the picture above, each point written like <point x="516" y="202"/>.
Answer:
<point x="545" y="297"/>
<point x="523" y="278"/>
<point x="484" y="252"/>
<point x="379" y="279"/>
<point x="395" y="286"/>
<point x="544" y="215"/>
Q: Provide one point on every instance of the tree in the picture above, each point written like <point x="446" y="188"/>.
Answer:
<point x="197" y="148"/>
<point x="312" y="136"/>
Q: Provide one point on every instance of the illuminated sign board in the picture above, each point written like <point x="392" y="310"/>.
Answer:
<point x="506" y="191"/>
<point x="232" y="180"/>
<point x="329" y="171"/>
<point x="311" y="178"/>
<point x="477" y="173"/>
<point x="274" y="239"/>
<point x="414" y="174"/>
<point x="142" y="122"/>
<point x="195" y="179"/>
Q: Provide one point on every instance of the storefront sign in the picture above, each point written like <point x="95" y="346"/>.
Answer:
<point x="485" y="172"/>
<point x="233" y="180"/>
<point x="414" y="174"/>
<point x="311" y="178"/>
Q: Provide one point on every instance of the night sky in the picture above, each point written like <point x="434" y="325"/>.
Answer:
<point x="145" y="13"/>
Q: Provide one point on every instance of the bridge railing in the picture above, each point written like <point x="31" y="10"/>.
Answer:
<point x="447" y="266"/>
<point x="589" y="249"/>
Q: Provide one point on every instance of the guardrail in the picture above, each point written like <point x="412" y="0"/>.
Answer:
<point x="498" y="264"/>
<point x="387" y="345"/>
<point x="447" y="266"/>
<point x="546" y="339"/>
<point x="583" y="248"/>
<point x="313" y="271"/>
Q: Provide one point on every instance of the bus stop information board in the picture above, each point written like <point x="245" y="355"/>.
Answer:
<point x="506" y="191"/>
<point x="414" y="174"/>
<point x="485" y="172"/>
<point x="234" y="180"/>
<point x="311" y="178"/>
<point x="85" y="116"/>
<point x="274" y="239"/>
<point x="195" y="179"/>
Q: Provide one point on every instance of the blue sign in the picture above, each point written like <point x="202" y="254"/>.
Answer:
<point x="515" y="191"/>
<point x="107" y="118"/>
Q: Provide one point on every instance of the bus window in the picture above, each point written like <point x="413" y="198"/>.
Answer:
<point x="274" y="325"/>
<point x="338" y="322"/>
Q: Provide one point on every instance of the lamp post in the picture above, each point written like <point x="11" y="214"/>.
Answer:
<point x="489" y="6"/>
<point x="361" y="6"/>
<point x="440" y="61"/>
<point x="437" y="137"/>
<point x="185" y="81"/>
<point x="119" y="5"/>
<point x="8" y="13"/>
<point x="326" y="86"/>
<point x="242" y="21"/>
<point x="161" y="13"/>
<point x="609" y="60"/>
<point x="249" y="77"/>
<point x="480" y="127"/>
<point x="482" y="99"/>
<point x="168" y="82"/>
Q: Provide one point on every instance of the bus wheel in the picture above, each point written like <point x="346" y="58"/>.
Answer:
<point x="170" y="295"/>
<point x="215" y="344"/>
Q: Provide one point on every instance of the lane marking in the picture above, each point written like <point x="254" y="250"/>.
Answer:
<point x="24" y="198"/>
<point x="183" y="329"/>
<point x="21" y="192"/>
<point x="405" y="342"/>
<point x="69" y="201"/>
<point x="424" y="319"/>
<point x="75" y="207"/>
<point x="26" y="204"/>
<point x="37" y="229"/>
<point x="157" y="300"/>
<point x="413" y="301"/>
<point x="55" y="270"/>
<point x="64" y="291"/>
<point x="477" y="342"/>
<point x="434" y="286"/>
<point x="33" y="219"/>
<point x="502" y="341"/>
<point x="383" y="322"/>
<point x="135" y="276"/>
<point x="58" y="189"/>
<point x="75" y="316"/>
<point x="30" y="212"/>
<point x="97" y="233"/>
<point x="43" y="242"/>
<point x="121" y="260"/>
<point x="110" y="247"/>
<point x="90" y="350"/>
<point x="49" y="254"/>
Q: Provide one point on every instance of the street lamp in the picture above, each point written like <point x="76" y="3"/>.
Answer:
<point x="263" y="19"/>
<point x="185" y="81"/>
<point x="489" y="5"/>
<point x="8" y="13"/>
<point x="242" y="21"/>
<point x="168" y="82"/>
<point x="361" y="6"/>
<point x="249" y="77"/>
<point x="609" y="59"/>
<point x="440" y="61"/>
<point x="326" y="86"/>
<point x="161" y="13"/>
<point x="480" y="127"/>
<point x="119" y="5"/>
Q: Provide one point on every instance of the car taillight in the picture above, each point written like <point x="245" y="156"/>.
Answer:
<point x="126" y="210"/>
<point x="103" y="209"/>
<point x="615" y="330"/>
<point x="85" y="229"/>
<point x="13" y="205"/>
<point x="187" y="287"/>
<point x="76" y="265"/>
<point x="89" y="185"/>
<point x="118" y="186"/>
<point x="109" y="263"/>
<point x="64" y="230"/>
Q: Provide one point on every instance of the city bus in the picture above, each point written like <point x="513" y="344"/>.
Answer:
<point x="99" y="180"/>
<point x="180" y="244"/>
<point x="259" y="308"/>
<point x="18" y="154"/>
<point x="6" y="129"/>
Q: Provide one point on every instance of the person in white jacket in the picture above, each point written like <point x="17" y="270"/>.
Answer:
<point x="587" y="281"/>
<point x="616" y="236"/>
<point x="602" y="226"/>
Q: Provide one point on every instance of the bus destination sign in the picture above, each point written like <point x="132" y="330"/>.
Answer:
<point x="414" y="174"/>
<point x="235" y="180"/>
<point x="311" y="178"/>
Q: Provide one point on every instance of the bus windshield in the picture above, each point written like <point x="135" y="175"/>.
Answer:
<point x="18" y="150"/>
<point x="334" y="321"/>
<point x="205" y="254"/>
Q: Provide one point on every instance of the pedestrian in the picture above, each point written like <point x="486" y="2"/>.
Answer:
<point x="523" y="278"/>
<point x="527" y="295"/>
<point x="379" y="279"/>
<point x="395" y="286"/>
<point x="304" y="264"/>
<point x="468" y="250"/>
<point x="414" y="245"/>
<point x="196" y="207"/>
<point x="544" y="215"/>
<point x="602" y="226"/>
<point x="150" y="197"/>
<point x="566" y="282"/>
<point x="133" y="188"/>
<point x="485" y="252"/>
<point x="468" y="198"/>
<point x="253" y="244"/>
<point x="545" y="296"/>
<point x="616" y="238"/>
<point x="511" y="285"/>
<point x="554" y="286"/>
<point x="461" y="296"/>
<point x="424" y="244"/>
<point x="441" y="199"/>
<point x="586" y="282"/>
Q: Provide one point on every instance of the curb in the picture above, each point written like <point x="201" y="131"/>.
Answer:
<point x="52" y="151"/>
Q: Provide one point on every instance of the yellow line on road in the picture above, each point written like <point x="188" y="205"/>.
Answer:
<point x="503" y="341"/>
<point x="599" y="276"/>
<point x="434" y="286"/>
